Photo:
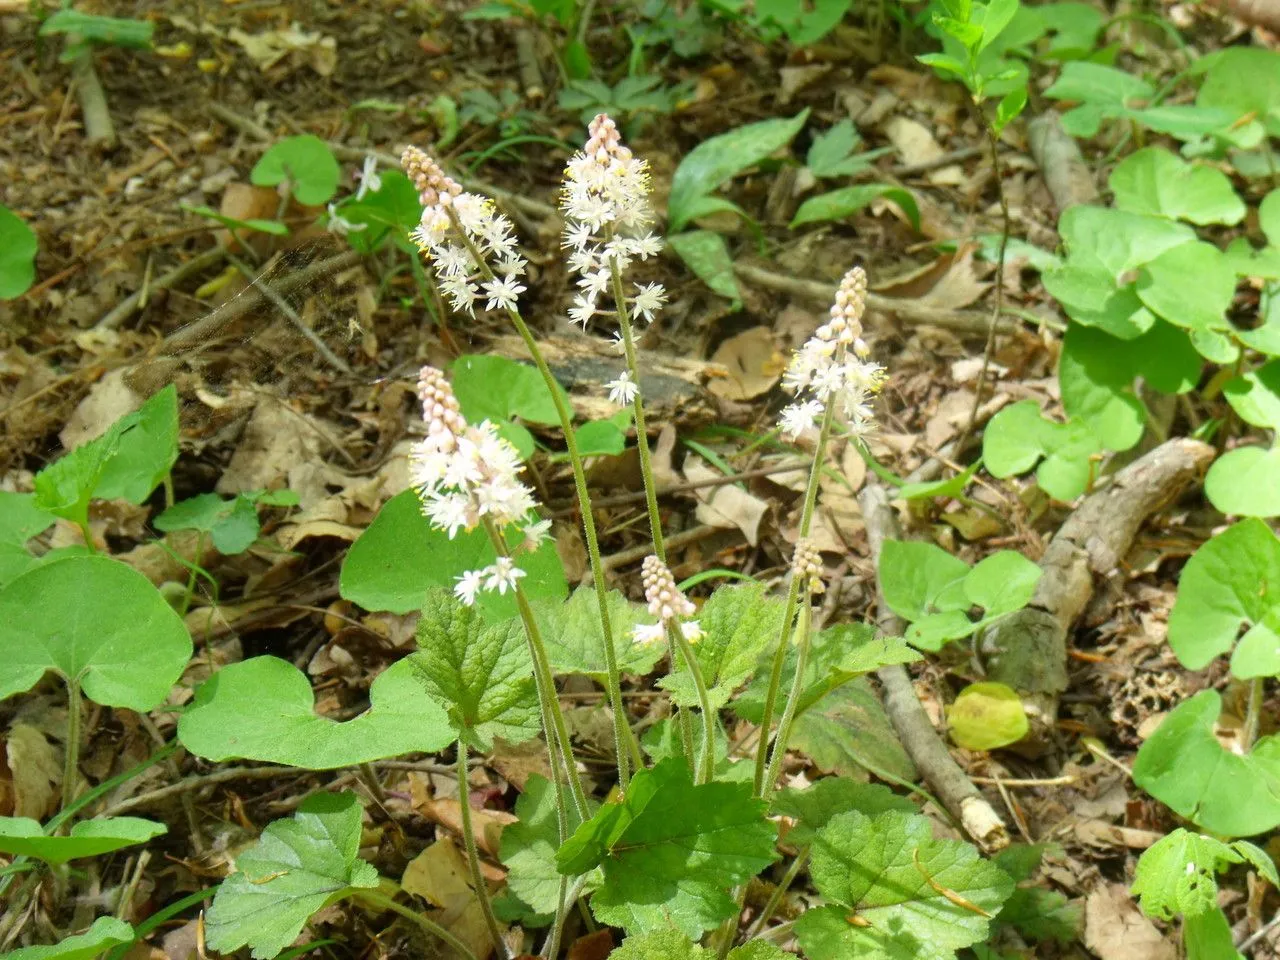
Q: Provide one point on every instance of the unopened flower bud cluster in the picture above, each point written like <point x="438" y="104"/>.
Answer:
<point x="666" y="602"/>
<point x="466" y="473"/>
<point x="806" y="566"/>
<point x="832" y="370"/>
<point x="454" y="223"/>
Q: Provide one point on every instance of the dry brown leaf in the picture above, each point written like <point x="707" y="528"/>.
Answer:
<point x="727" y="506"/>
<point x="486" y="825"/>
<point x="36" y="766"/>
<point x="277" y="450"/>
<point x="440" y="876"/>
<point x="949" y="419"/>
<point x="916" y="145"/>
<point x="1116" y="930"/>
<point x="106" y="402"/>
<point x="518" y="762"/>
<point x="594" y="946"/>
<point x="753" y="363"/>
<point x="270" y="47"/>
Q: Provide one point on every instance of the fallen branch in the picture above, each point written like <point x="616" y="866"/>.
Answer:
<point x="1027" y="650"/>
<point x="1061" y="164"/>
<point x="921" y="741"/>
<point x="913" y="311"/>
<point x="130" y="304"/>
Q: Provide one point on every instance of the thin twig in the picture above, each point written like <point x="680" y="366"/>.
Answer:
<point x="676" y="540"/>
<point x="133" y="303"/>
<point x="622" y="499"/>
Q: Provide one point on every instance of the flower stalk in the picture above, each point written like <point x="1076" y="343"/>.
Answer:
<point x="473" y="855"/>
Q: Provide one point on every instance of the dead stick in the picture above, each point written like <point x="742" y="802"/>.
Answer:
<point x="962" y="321"/>
<point x="98" y="127"/>
<point x="951" y="784"/>
<point x="130" y="304"/>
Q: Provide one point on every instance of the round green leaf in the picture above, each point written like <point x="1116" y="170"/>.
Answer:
<point x="105" y="933"/>
<point x="987" y="716"/>
<point x="1191" y="285"/>
<point x="497" y="389"/>
<point x="17" y="255"/>
<point x="22" y="836"/>
<point x="1245" y="482"/>
<point x="1155" y="181"/>
<point x="1185" y="767"/>
<point x="1226" y="587"/>
<point x="306" y="162"/>
<point x="264" y="709"/>
<point x="1256" y="395"/>
<point x="95" y="620"/>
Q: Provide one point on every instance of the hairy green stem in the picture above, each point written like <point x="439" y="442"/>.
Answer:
<point x="637" y="410"/>
<point x="376" y="899"/>
<point x="71" y="764"/>
<point x="793" y="597"/>
<point x="624" y="740"/>
<point x="793" y="700"/>
<point x="706" y="766"/>
<point x="473" y="854"/>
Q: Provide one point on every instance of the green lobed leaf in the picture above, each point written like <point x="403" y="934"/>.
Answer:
<point x="22" y="836"/>
<point x="1178" y="873"/>
<point x="297" y="867"/>
<point x="1224" y="589"/>
<point x="847" y="732"/>
<point x="1185" y="767"/>
<point x="497" y="389"/>
<point x="481" y="673"/>
<point x="105" y="933"/>
<point x="1018" y="437"/>
<point x="706" y="254"/>
<point x="831" y="153"/>
<point x="878" y="868"/>
<point x="813" y="807"/>
<point x="572" y="634"/>
<point x="95" y="620"/>
<point x="1244" y="82"/>
<point x="146" y="452"/>
<point x="1157" y="182"/>
<point x="987" y="716"/>
<point x="1103" y="92"/>
<point x="528" y="847"/>
<point x="712" y="162"/>
<point x="264" y="709"/>
<point x="394" y="209"/>
<point x="306" y="162"/>
<point x="737" y="624"/>
<point x="672" y="851"/>
<point x="400" y="556"/>
<point x="20" y="520"/>
<point x="18" y="247"/>
<point x="845" y="202"/>
<point x="232" y="523"/>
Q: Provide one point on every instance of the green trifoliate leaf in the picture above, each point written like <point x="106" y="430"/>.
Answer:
<point x="297" y="867"/>
<point x="1228" y="585"/>
<point x="987" y="716"/>
<point x="674" y="945"/>
<point x="106" y="932"/>
<point x="671" y="851"/>
<point x="22" y="836"/>
<point x="1156" y="181"/>
<point x="1018" y="437"/>
<point x="574" y="638"/>
<point x="1178" y="874"/>
<point x="879" y="869"/>
<point x="146" y="453"/>
<point x="529" y="847"/>
<point x="264" y="709"/>
<point x="813" y="807"/>
<point x="20" y="520"/>
<point x="232" y="524"/>
<point x="306" y="163"/>
<point x="480" y="672"/>
<point x="95" y="620"/>
<point x="737" y="623"/>
<point x="1185" y="767"/>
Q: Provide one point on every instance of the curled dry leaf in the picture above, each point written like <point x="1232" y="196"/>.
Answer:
<point x="726" y="506"/>
<point x="753" y="362"/>
<point x="36" y="767"/>
<point x="270" y="47"/>
<point x="1116" y="930"/>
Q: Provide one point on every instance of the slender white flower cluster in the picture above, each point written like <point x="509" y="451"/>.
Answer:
<point x="464" y="474"/>
<point x="806" y="566"/>
<point x="666" y="602"/>
<point x="456" y="223"/>
<point x="607" y="213"/>
<point x="832" y="367"/>
<point x="623" y="390"/>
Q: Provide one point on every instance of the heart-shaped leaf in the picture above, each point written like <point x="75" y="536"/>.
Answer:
<point x="297" y="867"/>
<point x="1226" y="587"/>
<point x="401" y="556"/>
<point x="1190" y="285"/>
<point x="1245" y="482"/>
<point x="93" y="620"/>
<point x="22" y="836"/>
<point x="232" y="524"/>
<point x="17" y="255"/>
<point x="1178" y="873"/>
<point x="1185" y="767"/>
<point x="106" y="932"/>
<point x="1155" y="181"/>
<point x="501" y="390"/>
<point x="481" y="673"/>
<point x="20" y="520"/>
<point x="264" y="709"/>
<point x="306" y="162"/>
<point x="891" y="873"/>
<point x="571" y="632"/>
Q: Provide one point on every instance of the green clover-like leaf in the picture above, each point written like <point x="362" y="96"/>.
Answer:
<point x="1158" y="182"/>
<point x="1178" y="873"/>
<point x="297" y="867"/>
<point x="94" y="620"/>
<point x="106" y="932"/>
<point x="672" y="851"/>
<point x="22" y="836"/>
<point x="1185" y="767"/>
<point x="264" y="709"/>
<point x="879" y="869"/>
<point x="1018" y="438"/>
<point x="232" y="524"/>
<point x="308" y="165"/>
<point x="480" y="672"/>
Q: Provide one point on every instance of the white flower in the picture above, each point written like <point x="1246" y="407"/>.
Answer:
<point x="536" y="534"/>
<point x="799" y="417"/>
<point x="583" y="309"/>
<point x="504" y="292"/>
<point x="648" y="300"/>
<point x="502" y="575"/>
<point x="624" y="390"/>
<point x="341" y="225"/>
<point x="692" y="632"/>
<point x="368" y="177"/>
<point x="647" y="632"/>
<point x="468" y="585"/>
